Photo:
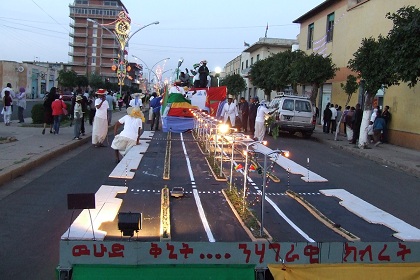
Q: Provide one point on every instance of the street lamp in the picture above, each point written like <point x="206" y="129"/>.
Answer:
<point x="151" y="69"/>
<point x="218" y="70"/>
<point x="122" y="37"/>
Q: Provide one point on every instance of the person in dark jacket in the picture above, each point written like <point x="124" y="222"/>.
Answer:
<point x="327" y="119"/>
<point x="244" y="109"/>
<point x="155" y="104"/>
<point x="356" y="123"/>
<point x="48" y="118"/>
<point x="253" y="106"/>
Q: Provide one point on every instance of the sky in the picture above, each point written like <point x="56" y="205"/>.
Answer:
<point x="193" y="30"/>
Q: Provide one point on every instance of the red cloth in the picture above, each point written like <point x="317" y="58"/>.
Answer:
<point x="57" y="107"/>
<point x="180" y="112"/>
<point x="214" y="96"/>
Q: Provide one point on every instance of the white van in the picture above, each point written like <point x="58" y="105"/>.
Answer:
<point x="294" y="114"/>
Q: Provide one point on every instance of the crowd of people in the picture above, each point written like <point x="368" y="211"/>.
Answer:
<point x="351" y="119"/>
<point x="248" y="117"/>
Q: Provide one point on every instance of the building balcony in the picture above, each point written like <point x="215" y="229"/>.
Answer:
<point x="78" y="63"/>
<point x="109" y="55"/>
<point x="110" y="46"/>
<point x="77" y="54"/>
<point x="107" y="35"/>
<point x="77" y="44"/>
<point x="83" y="35"/>
<point x="78" y="25"/>
<point x="106" y="64"/>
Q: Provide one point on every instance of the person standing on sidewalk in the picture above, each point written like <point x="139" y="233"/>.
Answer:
<point x="77" y="113"/>
<point x="48" y="118"/>
<point x="92" y="108"/>
<point x="110" y="100"/>
<point x="356" y="123"/>
<point x="387" y="117"/>
<point x="326" y="117"/>
<point x="244" y="109"/>
<point x="57" y="112"/>
<point x="7" y="107"/>
<point x="21" y="103"/>
<point x="155" y="104"/>
<point x="100" y="123"/>
<point x="379" y="125"/>
<point x="253" y="106"/>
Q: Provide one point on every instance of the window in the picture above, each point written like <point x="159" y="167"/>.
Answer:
<point x="242" y="65"/>
<point x="330" y="27"/>
<point x="258" y="57"/>
<point x="288" y="104"/>
<point x="310" y="36"/>
<point x="252" y="60"/>
<point x="246" y="63"/>
<point x="303" y="106"/>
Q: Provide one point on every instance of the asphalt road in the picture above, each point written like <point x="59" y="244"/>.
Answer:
<point x="35" y="215"/>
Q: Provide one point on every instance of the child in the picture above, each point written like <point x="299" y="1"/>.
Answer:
<point x="7" y="108"/>
<point x="120" y="102"/>
<point x="78" y="114"/>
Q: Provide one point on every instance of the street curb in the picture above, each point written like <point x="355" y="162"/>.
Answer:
<point x="31" y="164"/>
<point x="359" y="152"/>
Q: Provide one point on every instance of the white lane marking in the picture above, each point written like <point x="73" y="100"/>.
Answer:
<point x="292" y="224"/>
<point x="372" y="214"/>
<point x="196" y="196"/>
<point x="293" y="167"/>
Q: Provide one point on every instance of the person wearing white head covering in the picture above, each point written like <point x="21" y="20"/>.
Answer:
<point x="262" y="112"/>
<point x="137" y="100"/>
<point x="230" y="111"/>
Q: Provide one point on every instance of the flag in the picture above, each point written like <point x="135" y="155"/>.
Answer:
<point x="239" y="167"/>
<point x="246" y="44"/>
<point x="266" y="29"/>
<point x="252" y="168"/>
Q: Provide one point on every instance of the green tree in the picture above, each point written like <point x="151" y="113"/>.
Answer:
<point x="313" y="69"/>
<point x="403" y="44"/>
<point x="235" y="84"/>
<point x="95" y="81"/>
<point x="67" y="78"/>
<point x="261" y="75"/>
<point x="376" y="71"/>
<point x="82" y="81"/>
<point x="283" y="69"/>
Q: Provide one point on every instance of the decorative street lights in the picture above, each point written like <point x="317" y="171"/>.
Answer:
<point x="151" y="69"/>
<point x="121" y="35"/>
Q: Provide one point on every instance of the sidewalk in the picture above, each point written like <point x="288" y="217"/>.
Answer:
<point x="395" y="156"/>
<point x="32" y="148"/>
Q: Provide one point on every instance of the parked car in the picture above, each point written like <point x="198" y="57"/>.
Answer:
<point x="293" y="114"/>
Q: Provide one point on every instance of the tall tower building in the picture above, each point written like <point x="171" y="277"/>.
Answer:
<point x="93" y="48"/>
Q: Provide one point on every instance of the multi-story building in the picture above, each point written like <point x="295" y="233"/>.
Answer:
<point x="261" y="49"/>
<point x="336" y="28"/>
<point x="94" y="48"/>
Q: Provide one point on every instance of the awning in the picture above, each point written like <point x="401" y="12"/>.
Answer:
<point x="163" y="272"/>
<point x="346" y="271"/>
